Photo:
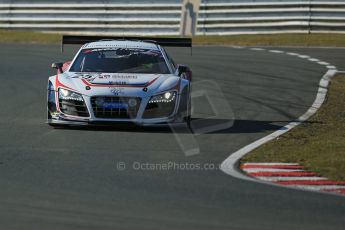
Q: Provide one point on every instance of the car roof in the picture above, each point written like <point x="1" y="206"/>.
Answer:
<point x="121" y="44"/>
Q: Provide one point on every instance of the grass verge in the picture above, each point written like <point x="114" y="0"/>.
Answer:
<point x="318" y="144"/>
<point x="329" y="40"/>
<point x="305" y="40"/>
<point x="28" y="37"/>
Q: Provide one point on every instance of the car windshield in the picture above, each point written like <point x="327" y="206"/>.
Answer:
<point x="120" y="60"/>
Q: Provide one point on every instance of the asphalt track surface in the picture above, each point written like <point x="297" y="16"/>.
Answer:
<point x="68" y="178"/>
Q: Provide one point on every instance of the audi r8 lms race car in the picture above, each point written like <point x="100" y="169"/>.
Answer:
<point x="127" y="80"/>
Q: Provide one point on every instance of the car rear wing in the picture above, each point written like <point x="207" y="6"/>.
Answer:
<point x="168" y="42"/>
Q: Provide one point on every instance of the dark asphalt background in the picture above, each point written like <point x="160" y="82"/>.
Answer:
<point x="68" y="178"/>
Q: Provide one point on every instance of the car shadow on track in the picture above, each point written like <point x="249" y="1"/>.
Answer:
<point x="198" y="126"/>
<point x="253" y="126"/>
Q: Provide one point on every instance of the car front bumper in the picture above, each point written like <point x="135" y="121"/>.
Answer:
<point x="93" y="119"/>
<point x="113" y="122"/>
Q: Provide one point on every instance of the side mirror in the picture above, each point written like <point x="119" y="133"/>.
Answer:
<point x="58" y="66"/>
<point x="183" y="69"/>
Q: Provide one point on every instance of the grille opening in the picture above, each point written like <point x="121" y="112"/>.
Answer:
<point x="115" y="107"/>
<point x="159" y="110"/>
<point x="73" y="108"/>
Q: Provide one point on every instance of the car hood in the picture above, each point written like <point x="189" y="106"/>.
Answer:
<point x="119" y="84"/>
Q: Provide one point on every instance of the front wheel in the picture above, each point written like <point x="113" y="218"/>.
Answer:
<point x="188" y="118"/>
<point x="188" y="121"/>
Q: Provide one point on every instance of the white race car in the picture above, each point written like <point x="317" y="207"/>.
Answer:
<point x="127" y="80"/>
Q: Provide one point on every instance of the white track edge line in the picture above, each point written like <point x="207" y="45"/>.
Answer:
<point x="288" y="178"/>
<point x="317" y="187"/>
<point x="255" y="170"/>
<point x="270" y="164"/>
<point x="277" y="51"/>
<point x="304" y="56"/>
<point x="230" y="165"/>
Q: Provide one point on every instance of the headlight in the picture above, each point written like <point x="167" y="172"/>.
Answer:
<point x="72" y="103"/>
<point x="166" y="97"/>
<point x="161" y="105"/>
<point x="67" y="95"/>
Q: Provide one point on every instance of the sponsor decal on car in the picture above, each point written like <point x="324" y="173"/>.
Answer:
<point x="115" y="105"/>
<point x="118" y="83"/>
<point x="104" y="76"/>
<point x="124" y="77"/>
